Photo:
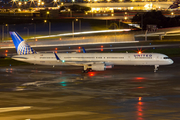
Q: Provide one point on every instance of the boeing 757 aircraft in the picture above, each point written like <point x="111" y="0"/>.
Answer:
<point x="90" y="61"/>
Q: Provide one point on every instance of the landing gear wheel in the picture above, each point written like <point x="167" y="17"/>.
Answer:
<point x="156" y="68"/>
<point x="84" y="71"/>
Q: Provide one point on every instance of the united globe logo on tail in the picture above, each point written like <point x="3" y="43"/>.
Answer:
<point x="21" y="46"/>
<point x="24" y="49"/>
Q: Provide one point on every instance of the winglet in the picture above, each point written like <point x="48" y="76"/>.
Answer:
<point x="84" y="51"/>
<point x="57" y="58"/>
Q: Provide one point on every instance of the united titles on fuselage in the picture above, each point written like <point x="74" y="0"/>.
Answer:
<point x="143" y="56"/>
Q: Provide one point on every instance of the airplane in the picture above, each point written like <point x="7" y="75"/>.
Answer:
<point x="90" y="61"/>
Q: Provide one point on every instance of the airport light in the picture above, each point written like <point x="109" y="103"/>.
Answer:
<point x="13" y="1"/>
<point x="31" y="1"/>
<point x="42" y="3"/>
<point x="19" y="3"/>
<point x="70" y="12"/>
<point x="55" y="2"/>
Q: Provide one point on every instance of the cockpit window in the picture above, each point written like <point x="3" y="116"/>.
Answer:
<point x="166" y="58"/>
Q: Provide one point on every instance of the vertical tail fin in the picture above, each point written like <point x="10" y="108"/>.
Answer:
<point x="22" y="47"/>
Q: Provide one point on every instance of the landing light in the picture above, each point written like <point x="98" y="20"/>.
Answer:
<point x="139" y="52"/>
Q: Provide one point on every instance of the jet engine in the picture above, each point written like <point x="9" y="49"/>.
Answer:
<point x="98" y="67"/>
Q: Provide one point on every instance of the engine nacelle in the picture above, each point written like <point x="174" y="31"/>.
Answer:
<point x="98" y="67"/>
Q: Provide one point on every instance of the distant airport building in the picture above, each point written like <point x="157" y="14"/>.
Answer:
<point x="102" y="7"/>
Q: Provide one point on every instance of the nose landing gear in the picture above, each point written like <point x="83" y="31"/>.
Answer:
<point x="156" y="68"/>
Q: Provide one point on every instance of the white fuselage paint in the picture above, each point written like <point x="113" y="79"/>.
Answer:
<point x="81" y="59"/>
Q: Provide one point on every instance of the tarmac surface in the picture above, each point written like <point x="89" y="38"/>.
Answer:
<point x="35" y="92"/>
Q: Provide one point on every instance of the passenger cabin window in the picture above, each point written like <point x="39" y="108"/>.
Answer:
<point x="78" y="57"/>
<point x="47" y="57"/>
<point x="115" y="57"/>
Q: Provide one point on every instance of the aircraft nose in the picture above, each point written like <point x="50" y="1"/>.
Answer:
<point x="171" y="61"/>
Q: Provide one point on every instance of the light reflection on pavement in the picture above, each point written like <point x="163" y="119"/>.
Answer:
<point x="64" y="92"/>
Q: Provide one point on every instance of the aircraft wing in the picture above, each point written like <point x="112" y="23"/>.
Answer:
<point x="81" y="63"/>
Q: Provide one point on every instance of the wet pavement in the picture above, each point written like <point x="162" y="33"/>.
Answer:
<point x="121" y="93"/>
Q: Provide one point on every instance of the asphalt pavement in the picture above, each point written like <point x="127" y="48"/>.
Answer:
<point x="122" y="93"/>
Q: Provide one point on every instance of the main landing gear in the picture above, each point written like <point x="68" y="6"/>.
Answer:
<point x="156" y="68"/>
<point x="87" y="70"/>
